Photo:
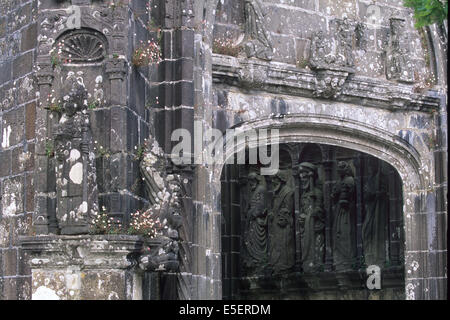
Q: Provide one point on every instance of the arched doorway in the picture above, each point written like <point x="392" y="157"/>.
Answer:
<point x="316" y="230"/>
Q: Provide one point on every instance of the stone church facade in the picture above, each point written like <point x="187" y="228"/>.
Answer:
<point x="97" y="202"/>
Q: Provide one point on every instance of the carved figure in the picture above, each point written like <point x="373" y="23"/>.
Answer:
<point x="398" y="66"/>
<point x="75" y="169"/>
<point x="281" y="223"/>
<point x="344" y="233"/>
<point x="345" y="31"/>
<point x="255" y="235"/>
<point x="164" y="193"/>
<point x="376" y="209"/>
<point x="312" y="220"/>
<point x="257" y="40"/>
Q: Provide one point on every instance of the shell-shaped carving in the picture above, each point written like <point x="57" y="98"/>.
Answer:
<point x="82" y="46"/>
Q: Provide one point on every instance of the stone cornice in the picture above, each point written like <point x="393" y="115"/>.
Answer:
<point x="281" y="78"/>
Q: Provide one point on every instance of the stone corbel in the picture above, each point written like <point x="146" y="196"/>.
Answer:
<point x="253" y="75"/>
<point x="329" y="82"/>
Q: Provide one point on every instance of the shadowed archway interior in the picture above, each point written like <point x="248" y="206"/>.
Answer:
<point x="313" y="230"/>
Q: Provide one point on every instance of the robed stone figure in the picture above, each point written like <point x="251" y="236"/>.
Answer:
<point x="344" y="223"/>
<point x="312" y="219"/>
<point x="374" y="232"/>
<point x="255" y="235"/>
<point x="281" y="223"/>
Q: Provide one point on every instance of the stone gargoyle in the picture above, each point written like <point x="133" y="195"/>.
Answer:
<point x="164" y="193"/>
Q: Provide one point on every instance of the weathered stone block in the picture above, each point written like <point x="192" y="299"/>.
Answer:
<point x="23" y="65"/>
<point x="84" y="267"/>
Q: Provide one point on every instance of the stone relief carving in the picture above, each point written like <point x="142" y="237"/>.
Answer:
<point x="332" y="58"/>
<point x="83" y="46"/>
<point x="75" y="169"/>
<point x="257" y="41"/>
<point x="343" y="231"/>
<point x="164" y="192"/>
<point x="255" y="235"/>
<point x="375" y="220"/>
<point x="312" y="219"/>
<point x="398" y="65"/>
<point x="281" y="223"/>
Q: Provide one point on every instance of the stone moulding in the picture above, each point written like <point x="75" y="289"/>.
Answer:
<point x="86" y="267"/>
<point x="281" y="78"/>
<point x="88" y="251"/>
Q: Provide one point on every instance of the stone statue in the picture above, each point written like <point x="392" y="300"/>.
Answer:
<point x="334" y="50"/>
<point x="398" y="65"/>
<point x="344" y="224"/>
<point x="164" y="192"/>
<point x="257" y="40"/>
<point x="76" y="194"/>
<point x="281" y="223"/>
<point x="255" y="235"/>
<point x="312" y="220"/>
<point x="332" y="59"/>
<point x="375" y="220"/>
<point x="321" y="54"/>
<point x="345" y="32"/>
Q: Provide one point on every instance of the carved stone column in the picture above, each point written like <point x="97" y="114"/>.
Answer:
<point x="117" y="70"/>
<point x="84" y="267"/>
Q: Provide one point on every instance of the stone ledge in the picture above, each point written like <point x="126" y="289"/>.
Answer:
<point x="85" y="251"/>
<point x="281" y="78"/>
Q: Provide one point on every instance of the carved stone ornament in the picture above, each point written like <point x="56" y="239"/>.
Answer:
<point x="253" y="76"/>
<point x="255" y="234"/>
<point x="281" y="223"/>
<point x="164" y="192"/>
<point x="398" y="65"/>
<point x="375" y="219"/>
<point x="257" y="41"/>
<point x="312" y="219"/>
<point x="344" y="225"/>
<point x="329" y="83"/>
<point x="82" y="46"/>
<point x="332" y="58"/>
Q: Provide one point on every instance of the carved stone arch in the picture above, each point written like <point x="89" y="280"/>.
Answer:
<point x="332" y="131"/>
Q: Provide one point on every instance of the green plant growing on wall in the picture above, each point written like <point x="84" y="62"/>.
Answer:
<point x="225" y="47"/>
<point x="102" y="152"/>
<point x="93" y="104"/>
<point x="103" y="224"/>
<point x="55" y="107"/>
<point x="146" y="54"/>
<point x="55" y="60"/>
<point x="427" y="12"/>
<point x="141" y="223"/>
<point x="49" y="149"/>
<point x="139" y="152"/>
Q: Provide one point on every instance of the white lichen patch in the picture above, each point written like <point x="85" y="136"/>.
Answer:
<point x="76" y="173"/>
<point x="44" y="293"/>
